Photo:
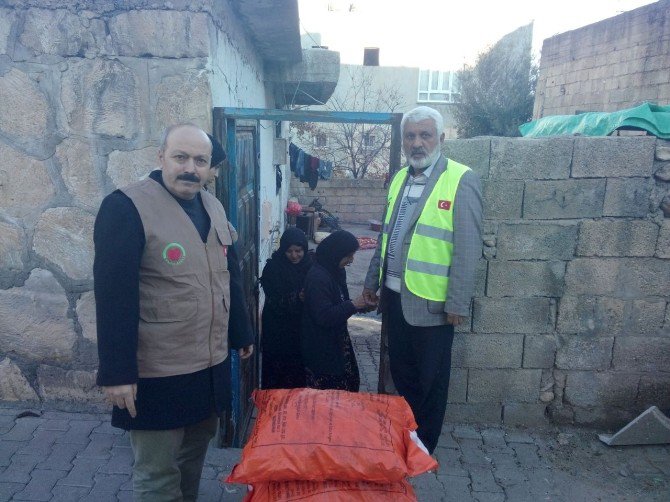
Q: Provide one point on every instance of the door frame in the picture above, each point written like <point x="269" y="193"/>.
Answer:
<point x="224" y="128"/>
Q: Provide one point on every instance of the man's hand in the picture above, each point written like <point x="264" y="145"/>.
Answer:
<point x="123" y="397"/>
<point x="455" y="319"/>
<point x="245" y="352"/>
<point x="371" y="298"/>
<point x="359" y="302"/>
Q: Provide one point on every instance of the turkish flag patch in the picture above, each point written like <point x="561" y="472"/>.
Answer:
<point x="444" y="204"/>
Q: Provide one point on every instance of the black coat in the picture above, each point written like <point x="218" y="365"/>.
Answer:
<point x="324" y="321"/>
<point x="282" y="310"/>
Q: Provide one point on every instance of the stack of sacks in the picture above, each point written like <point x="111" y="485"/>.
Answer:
<point x="329" y="445"/>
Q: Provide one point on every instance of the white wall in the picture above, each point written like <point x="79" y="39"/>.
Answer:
<point x="237" y="80"/>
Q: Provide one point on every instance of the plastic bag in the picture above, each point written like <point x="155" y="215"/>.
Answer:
<point x="331" y="491"/>
<point x="314" y="435"/>
<point x="293" y="208"/>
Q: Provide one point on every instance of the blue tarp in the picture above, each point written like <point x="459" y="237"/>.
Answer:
<point x="654" y="119"/>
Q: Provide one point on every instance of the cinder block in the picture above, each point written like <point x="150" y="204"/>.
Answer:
<point x="641" y="353"/>
<point x="662" y="151"/>
<point x="539" y="351"/>
<point x="536" y="241"/>
<point x="525" y="278"/>
<point x="654" y="391"/>
<point x="531" y="158"/>
<point x="480" y="277"/>
<point x="617" y="238"/>
<point x="458" y="385"/>
<point x="502" y="199"/>
<point x="487" y="351"/>
<point x="514" y="315"/>
<point x="563" y="199"/>
<point x="603" y="417"/>
<point x="601" y="389"/>
<point x="520" y="385"/>
<point x="645" y="317"/>
<point x="627" y="197"/>
<point x="584" y="352"/>
<point x="663" y="245"/>
<point x="591" y="315"/>
<point x="474" y="413"/>
<point x="525" y="414"/>
<point x="618" y="277"/>
<point x="474" y="153"/>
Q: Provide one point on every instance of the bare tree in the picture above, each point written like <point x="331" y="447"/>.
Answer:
<point x="361" y="149"/>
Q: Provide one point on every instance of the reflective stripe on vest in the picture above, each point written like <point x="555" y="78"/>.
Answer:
<point x="429" y="257"/>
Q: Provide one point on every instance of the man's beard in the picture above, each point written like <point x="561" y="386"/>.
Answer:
<point x="425" y="162"/>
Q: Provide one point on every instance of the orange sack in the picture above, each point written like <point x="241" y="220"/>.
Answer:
<point x="331" y="491"/>
<point x="316" y="435"/>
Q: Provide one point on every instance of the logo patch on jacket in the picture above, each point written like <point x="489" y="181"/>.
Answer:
<point x="174" y="253"/>
<point x="444" y="204"/>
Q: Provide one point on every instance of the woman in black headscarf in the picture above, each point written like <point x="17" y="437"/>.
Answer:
<point x="330" y="362"/>
<point x="282" y="280"/>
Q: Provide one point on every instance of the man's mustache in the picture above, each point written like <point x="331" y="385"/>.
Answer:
<point x="419" y="151"/>
<point x="189" y="177"/>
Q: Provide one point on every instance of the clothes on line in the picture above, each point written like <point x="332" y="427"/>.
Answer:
<point x="308" y="168"/>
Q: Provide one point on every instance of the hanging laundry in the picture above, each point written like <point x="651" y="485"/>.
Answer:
<point x="325" y="169"/>
<point x="293" y="151"/>
<point x="313" y="174"/>
<point x="304" y="166"/>
<point x="308" y="168"/>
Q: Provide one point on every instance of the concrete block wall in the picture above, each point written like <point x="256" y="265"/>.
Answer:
<point x="571" y="316"/>
<point x="571" y="319"/>
<point x="614" y="64"/>
<point x="352" y="201"/>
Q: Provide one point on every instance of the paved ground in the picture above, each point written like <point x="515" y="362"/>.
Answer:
<point x="56" y="456"/>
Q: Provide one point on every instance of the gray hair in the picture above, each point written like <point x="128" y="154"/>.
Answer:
<point x="423" y="113"/>
<point x="168" y="130"/>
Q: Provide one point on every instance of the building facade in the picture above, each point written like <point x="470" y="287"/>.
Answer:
<point x="610" y="65"/>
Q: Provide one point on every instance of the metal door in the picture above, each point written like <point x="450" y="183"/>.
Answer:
<point x="238" y="191"/>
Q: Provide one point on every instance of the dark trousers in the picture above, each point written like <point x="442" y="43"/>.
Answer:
<point x="420" y="360"/>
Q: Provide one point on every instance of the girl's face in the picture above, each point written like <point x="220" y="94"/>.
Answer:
<point x="294" y="253"/>
<point x="347" y="260"/>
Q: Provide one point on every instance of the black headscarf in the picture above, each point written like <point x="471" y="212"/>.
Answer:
<point x="218" y="153"/>
<point x="332" y="249"/>
<point x="285" y="275"/>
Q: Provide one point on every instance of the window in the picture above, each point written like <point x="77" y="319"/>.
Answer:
<point x="368" y="140"/>
<point x="320" y="141"/>
<point x="438" y="87"/>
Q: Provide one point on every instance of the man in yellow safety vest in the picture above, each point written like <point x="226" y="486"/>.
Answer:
<point x="424" y="267"/>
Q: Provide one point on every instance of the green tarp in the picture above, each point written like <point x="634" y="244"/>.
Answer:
<point x="652" y="118"/>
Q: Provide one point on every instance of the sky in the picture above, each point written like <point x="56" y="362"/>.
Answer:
<point x="443" y="34"/>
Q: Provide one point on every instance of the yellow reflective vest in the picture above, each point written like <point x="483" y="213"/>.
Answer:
<point x="429" y="257"/>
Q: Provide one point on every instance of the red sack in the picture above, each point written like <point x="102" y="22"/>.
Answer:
<point x="331" y="491"/>
<point x="314" y="435"/>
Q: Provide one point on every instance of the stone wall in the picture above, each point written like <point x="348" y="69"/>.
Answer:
<point x="352" y="201"/>
<point x="571" y="318"/>
<point x="610" y="65"/>
<point x="86" y="88"/>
